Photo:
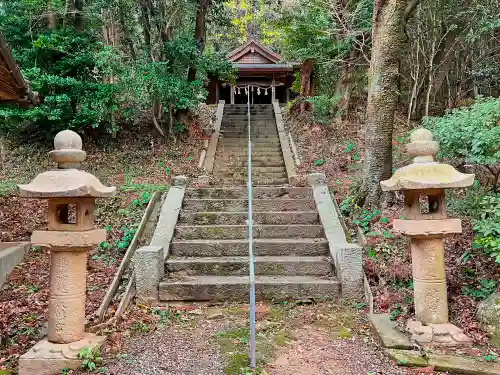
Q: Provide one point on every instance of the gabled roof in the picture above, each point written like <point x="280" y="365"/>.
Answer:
<point x="13" y="87"/>
<point x="254" y="52"/>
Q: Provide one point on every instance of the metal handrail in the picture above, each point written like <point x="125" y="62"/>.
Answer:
<point x="250" y="243"/>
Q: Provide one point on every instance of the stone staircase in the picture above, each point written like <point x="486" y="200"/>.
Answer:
<point x="208" y="256"/>
<point x="231" y="157"/>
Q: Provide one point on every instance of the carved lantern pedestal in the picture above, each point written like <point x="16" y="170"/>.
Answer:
<point x="71" y="195"/>
<point x="423" y="184"/>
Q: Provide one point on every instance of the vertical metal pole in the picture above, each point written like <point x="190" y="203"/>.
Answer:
<point x="250" y="243"/>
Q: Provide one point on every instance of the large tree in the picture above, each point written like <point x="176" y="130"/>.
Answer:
<point x="388" y="21"/>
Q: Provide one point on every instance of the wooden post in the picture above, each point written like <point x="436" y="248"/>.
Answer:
<point x="273" y="90"/>
<point x="232" y="94"/>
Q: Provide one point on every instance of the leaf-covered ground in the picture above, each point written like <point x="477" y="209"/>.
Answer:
<point x="137" y="164"/>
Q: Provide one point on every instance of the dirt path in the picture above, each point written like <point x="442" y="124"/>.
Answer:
<point x="314" y="353"/>
<point x="319" y="339"/>
<point x="172" y="351"/>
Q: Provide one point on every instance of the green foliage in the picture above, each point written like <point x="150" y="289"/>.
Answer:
<point x="324" y="108"/>
<point x="144" y="198"/>
<point x="91" y="359"/>
<point x="90" y="86"/>
<point x="487" y="226"/>
<point x="66" y="71"/>
<point x="365" y="218"/>
<point x="470" y="135"/>
<point x="481" y="291"/>
<point x="128" y="234"/>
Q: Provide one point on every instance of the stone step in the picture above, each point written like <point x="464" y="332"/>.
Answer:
<point x="264" y="265"/>
<point x="261" y="247"/>
<point x="255" y="169"/>
<point x="255" y="154"/>
<point x="243" y="160"/>
<point x="264" y="148"/>
<point x="257" y="181"/>
<point x="255" y="135"/>
<point x="235" y="288"/>
<point x="244" y="116"/>
<point x="257" y="177"/>
<point x="220" y="162"/>
<point x="217" y="217"/>
<point x="243" y="124"/>
<point x="241" y="205"/>
<point x="242" y="142"/>
<point x="233" y="232"/>
<point x="242" y="193"/>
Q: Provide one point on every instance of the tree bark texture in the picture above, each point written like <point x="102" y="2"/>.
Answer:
<point x="199" y="32"/>
<point x="305" y="83"/>
<point x="387" y="36"/>
<point x="51" y="16"/>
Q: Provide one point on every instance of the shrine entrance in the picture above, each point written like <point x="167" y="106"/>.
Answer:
<point x="260" y="68"/>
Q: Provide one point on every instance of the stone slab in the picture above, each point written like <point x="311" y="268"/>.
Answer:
<point x="348" y="257"/>
<point x="235" y="288"/>
<point x="46" y="358"/>
<point x="11" y="254"/>
<point x="216" y="232"/>
<point x="258" y="192"/>
<point x="214" y="139"/>
<point x="276" y="217"/>
<point x="169" y="214"/>
<point x="261" y="247"/>
<point x="441" y="362"/>
<point x="428" y="228"/>
<point x="259" y="205"/>
<point x="264" y="265"/>
<point x="64" y="240"/>
<point x="388" y="334"/>
<point x="149" y="270"/>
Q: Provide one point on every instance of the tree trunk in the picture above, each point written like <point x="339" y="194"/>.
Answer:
<point x="51" y="17"/>
<point x="305" y="83"/>
<point x="199" y="33"/>
<point x="344" y="84"/>
<point x="126" y="31"/>
<point x="252" y="28"/>
<point x="68" y="12"/>
<point x="146" y="24"/>
<point x="387" y="36"/>
<point x="79" y="15"/>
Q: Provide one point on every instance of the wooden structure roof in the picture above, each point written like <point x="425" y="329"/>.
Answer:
<point x="252" y="58"/>
<point x="252" y="52"/>
<point x="13" y="87"/>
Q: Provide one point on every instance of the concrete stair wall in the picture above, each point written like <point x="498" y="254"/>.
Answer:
<point x="231" y="158"/>
<point x="208" y="256"/>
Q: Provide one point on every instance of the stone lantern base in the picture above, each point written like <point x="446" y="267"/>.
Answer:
<point x="46" y="358"/>
<point x="445" y="334"/>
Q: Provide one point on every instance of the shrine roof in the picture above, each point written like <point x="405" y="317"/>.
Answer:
<point x="13" y="87"/>
<point x="253" y="52"/>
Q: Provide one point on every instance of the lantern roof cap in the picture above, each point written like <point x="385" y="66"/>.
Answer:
<point x="66" y="181"/>
<point x="425" y="172"/>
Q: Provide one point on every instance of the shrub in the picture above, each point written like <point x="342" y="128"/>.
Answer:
<point x="471" y="135"/>
<point x="324" y="107"/>
<point x="487" y="227"/>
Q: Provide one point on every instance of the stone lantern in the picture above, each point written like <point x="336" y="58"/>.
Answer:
<point x="71" y="195"/>
<point x="423" y="184"/>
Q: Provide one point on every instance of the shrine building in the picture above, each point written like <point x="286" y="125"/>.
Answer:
<point x="260" y="68"/>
